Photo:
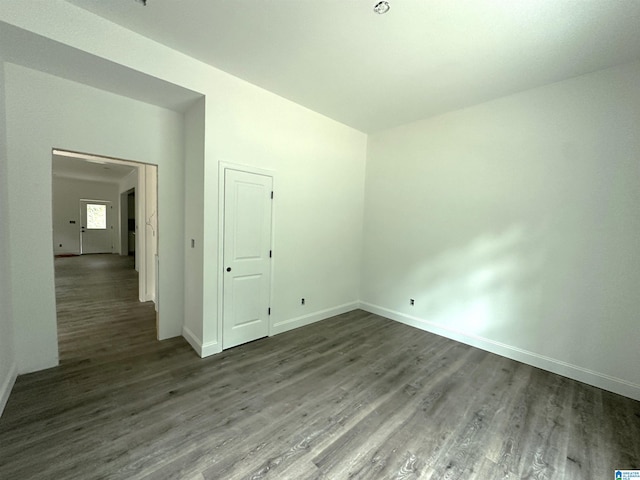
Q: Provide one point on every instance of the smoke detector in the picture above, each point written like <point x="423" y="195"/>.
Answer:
<point x="381" y="7"/>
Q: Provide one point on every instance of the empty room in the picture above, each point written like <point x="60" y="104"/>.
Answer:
<point x="298" y="240"/>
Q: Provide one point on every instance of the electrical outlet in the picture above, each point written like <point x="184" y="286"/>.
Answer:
<point x="412" y="301"/>
<point x="302" y="301"/>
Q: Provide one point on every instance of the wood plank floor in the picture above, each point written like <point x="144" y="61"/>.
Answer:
<point x="355" y="396"/>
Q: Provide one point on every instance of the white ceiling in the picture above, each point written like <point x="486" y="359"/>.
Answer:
<point x="85" y="167"/>
<point x="371" y="71"/>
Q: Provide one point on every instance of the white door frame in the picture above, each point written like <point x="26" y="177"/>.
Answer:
<point x="222" y="166"/>
<point x="147" y="232"/>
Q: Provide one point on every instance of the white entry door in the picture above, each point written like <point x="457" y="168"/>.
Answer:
<point x="247" y="257"/>
<point x="96" y="227"/>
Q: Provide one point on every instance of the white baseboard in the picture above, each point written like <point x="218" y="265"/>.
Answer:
<point x="202" y="349"/>
<point x="575" y="372"/>
<point x="210" y="348"/>
<point x="7" y="386"/>
<point x="290" y="324"/>
<point x="194" y="341"/>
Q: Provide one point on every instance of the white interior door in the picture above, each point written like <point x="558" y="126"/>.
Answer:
<point x="247" y="257"/>
<point x="96" y="232"/>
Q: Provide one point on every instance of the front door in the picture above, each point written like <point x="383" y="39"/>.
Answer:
<point x="247" y="257"/>
<point x="96" y="227"/>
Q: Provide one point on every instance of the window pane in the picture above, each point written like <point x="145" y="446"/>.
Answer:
<point x="96" y="216"/>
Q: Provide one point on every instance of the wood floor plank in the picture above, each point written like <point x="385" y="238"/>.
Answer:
<point x="355" y="396"/>
<point x="334" y="387"/>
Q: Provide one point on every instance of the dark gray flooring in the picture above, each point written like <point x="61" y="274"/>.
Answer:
<point x="355" y="396"/>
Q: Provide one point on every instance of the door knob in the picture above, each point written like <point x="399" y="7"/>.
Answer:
<point x="228" y="269"/>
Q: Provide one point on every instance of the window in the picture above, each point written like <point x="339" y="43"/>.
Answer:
<point x="96" y="216"/>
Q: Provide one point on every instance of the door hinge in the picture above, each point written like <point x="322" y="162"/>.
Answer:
<point x="269" y="311"/>
<point x="270" y="253"/>
<point x="272" y="194"/>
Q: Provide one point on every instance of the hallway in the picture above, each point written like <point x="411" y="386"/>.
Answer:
<point x="98" y="309"/>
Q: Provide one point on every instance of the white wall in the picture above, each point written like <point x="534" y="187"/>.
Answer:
<point x="318" y="166"/>
<point x="8" y="366"/>
<point x="514" y="225"/>
<point x="128" y="182"/>
<point x="67" y="193"/>
<point x="318" y="163"/>
<point x="194" y="224"/>
<point x="45" y="112"/>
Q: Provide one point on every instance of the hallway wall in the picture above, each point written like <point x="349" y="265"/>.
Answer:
<point x="67" y="193"/>
<point x="8" y="366"/>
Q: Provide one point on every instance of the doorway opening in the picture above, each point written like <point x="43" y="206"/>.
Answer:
<point x="131" y="222"/>
<point x="128" y="224"/>
<point x="110" y="238"/>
